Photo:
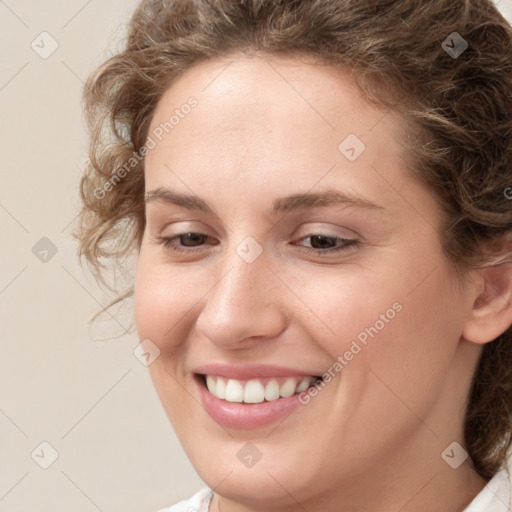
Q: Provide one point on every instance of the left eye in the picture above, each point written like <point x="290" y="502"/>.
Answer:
<point x="330" y="241"/>
<point x="320" y="244"/>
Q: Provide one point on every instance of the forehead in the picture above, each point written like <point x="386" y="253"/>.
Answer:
<point x="266" y="109"/>
<point x="274" y="126"/>
<point x="277" y="91"/>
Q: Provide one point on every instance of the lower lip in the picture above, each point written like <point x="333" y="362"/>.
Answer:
<point x="242" y="415"/>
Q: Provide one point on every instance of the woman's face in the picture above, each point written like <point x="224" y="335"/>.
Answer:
<point x="307" y="249"/>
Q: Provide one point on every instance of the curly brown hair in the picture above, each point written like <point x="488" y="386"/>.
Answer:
<point x="404" y="55"/>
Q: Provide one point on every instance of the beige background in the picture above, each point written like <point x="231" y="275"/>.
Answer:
<point x="91" y="400"/>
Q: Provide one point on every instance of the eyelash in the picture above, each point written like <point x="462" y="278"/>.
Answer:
<point x="348" y="244"/>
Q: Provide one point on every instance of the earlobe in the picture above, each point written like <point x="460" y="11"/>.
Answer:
<point x="491" y="314"/>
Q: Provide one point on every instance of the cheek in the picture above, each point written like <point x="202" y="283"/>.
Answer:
<point x="163" y="307"/>
<point x="385" y="312"/>
<point x="351" y="305"/>
<point x="333" y="307"/>
<point x="387" y="321"/>
<point x="411" y="356"/>
<point x="163" y="301"/>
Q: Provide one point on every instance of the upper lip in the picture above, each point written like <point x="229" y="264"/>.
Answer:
<point x="250" y="371"/>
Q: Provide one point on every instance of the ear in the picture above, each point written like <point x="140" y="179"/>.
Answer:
<point x="491" y="314"/>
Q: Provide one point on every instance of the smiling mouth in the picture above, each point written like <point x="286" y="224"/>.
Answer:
<point x="256" y="391"/>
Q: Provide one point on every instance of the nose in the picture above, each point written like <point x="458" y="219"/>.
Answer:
<point x="244" y="304"/>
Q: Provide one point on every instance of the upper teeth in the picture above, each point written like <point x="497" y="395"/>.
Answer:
<point x="255" y="391"/>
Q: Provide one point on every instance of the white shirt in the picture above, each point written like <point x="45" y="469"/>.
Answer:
<point x="496" y="496"/>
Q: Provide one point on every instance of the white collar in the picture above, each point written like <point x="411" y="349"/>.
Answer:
<point x="496" y="496"/>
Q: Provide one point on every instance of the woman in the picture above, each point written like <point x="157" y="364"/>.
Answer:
<point x="318" y="194"/>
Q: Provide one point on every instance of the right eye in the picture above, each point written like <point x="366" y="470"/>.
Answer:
<point x="177" y="242"/>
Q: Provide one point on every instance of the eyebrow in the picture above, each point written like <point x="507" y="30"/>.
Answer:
<point x="281" y="205"/>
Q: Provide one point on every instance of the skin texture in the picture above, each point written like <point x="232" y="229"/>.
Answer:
<point x="266" y="127"/>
